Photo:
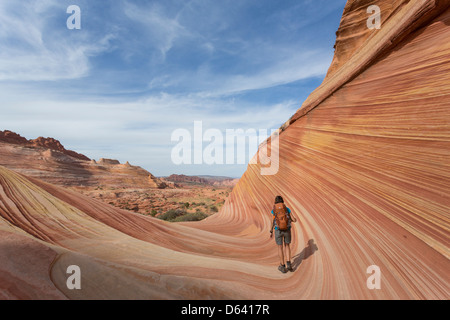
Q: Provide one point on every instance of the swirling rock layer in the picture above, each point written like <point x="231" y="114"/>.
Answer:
<point x="366" y="167"/>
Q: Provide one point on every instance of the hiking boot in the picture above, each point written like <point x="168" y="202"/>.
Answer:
<point x="289" y="266"/>
<point x="282" y="268"/>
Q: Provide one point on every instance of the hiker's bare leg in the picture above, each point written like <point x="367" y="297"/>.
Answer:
<point x="281" y="254"/>
<point x="288" y="252"/>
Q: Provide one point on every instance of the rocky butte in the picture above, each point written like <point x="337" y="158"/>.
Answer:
<point x="364" y="163"/>
<point x="47" y="159"/>
<point x="204" y="180"/>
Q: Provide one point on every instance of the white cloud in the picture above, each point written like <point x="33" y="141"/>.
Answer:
<point x="32" y="50"/>
<point x="137" y="131"/>
<point x="161" y="30"/>
<point x="171" y="63"/>
<point x="276" y="68"/>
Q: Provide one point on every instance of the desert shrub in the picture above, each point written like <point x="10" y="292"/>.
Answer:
<point x="172" y="214"/>
<point x="214" y="209"/>
<point x="193" y="216"/>
<point x="154" y="213"/>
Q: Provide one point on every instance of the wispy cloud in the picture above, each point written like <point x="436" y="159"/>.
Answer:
<point x="33" y="49"/>
<point x="282" y="70"/>
<point x="139" y="131"/>
<point x="160" y="30"/>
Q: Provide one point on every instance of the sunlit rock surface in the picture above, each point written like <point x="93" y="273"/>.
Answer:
<point x="366" y="166"/>
<point x="47" y="159"/>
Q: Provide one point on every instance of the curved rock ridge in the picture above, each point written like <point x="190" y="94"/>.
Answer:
<point x="358" y="47"/>
<point x="122" y="255"/>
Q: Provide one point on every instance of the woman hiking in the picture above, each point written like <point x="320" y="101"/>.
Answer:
<point x="282" y="218"/>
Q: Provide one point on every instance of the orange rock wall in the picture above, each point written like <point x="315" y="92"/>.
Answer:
<point x="368" y="173"/>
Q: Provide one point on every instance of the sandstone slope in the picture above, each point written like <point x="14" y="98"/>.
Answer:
<point x="365" y="161"/>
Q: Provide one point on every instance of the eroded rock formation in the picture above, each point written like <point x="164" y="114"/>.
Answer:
<point x="46" y="143"/>
<point x="47" y="159"/>
<point x="365" y="161"/>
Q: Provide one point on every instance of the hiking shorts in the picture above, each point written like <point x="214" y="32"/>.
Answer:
<point x="283" y="235"/>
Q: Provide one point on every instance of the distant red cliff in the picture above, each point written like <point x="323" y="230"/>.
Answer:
<point x="48" y="143"/>
<point x="206" y="180"/>
<point x="47" y="159"/>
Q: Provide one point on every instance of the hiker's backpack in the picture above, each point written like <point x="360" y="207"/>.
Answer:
<point x="281" y="216"/>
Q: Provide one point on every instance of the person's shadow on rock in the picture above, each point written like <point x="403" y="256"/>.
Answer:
<point x="305" y="254"/>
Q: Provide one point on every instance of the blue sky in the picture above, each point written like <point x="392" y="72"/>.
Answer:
<point x="138" y="70"/>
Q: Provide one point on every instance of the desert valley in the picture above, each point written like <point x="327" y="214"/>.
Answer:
<point x="185" y="198"/>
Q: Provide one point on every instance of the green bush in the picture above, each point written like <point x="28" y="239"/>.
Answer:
<point x="172" y="214"/>
<point x="214" y="209"/>
<point x="197" y="216"/>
